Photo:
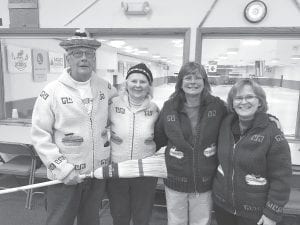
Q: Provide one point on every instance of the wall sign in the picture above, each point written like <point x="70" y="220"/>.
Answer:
<point x="56" y="62"/>
<point x="18" y="59"/>
<point x="40" y="65"/>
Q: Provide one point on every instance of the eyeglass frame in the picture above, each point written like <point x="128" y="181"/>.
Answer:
<point x="81" y="54"/>
<point x="248" y="98"/>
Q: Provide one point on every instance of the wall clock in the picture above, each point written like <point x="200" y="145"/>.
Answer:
<point x="255" y="11"/>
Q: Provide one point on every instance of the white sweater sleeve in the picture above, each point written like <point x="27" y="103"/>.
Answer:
<point x="42" y="135"/>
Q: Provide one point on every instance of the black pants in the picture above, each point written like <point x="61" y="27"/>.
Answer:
<point x="66" y="202"/>
<point x="131" y="197"/>
<point x="225" y="218"/>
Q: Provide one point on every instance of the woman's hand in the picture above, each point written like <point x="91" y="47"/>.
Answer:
<point x="266" y="221"/>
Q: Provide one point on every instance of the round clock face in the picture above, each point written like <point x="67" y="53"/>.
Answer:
<point x="255" y="11"/>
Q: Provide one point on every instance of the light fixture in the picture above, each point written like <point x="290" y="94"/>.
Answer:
<point x="136" y="8"/>
<point x="143" y="50"/>
<point x="274" y="60"/>
<point x="117" y="43"/>
<point x="156" y="56"/>
<point x="223" y="56"/>
<point x="253" y="42"/>
<point x="295" y="57"/>
<point x="232" y="51"/>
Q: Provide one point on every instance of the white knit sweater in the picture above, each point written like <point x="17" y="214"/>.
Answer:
<point x="63" y="133"/>
<point x="132" y="131"/>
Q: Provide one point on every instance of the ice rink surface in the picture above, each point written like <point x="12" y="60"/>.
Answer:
<point x="282" y="102"/>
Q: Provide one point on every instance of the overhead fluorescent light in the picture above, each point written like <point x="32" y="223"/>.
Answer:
<point x="143" y="51"/>
<point x="295" y="57"/>
<point x="223" y="56"/>
<point x="156" y="56"/>
<point x="251" y="42"/>
<point x="117" y="43"/>
<point x="232" y="51"/>
<point x="274" y="60"/>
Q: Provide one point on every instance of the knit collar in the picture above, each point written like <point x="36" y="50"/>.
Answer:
<point x="260" y="119"/>
<point x="144" y="105"/>
<point x="205" y="100"/>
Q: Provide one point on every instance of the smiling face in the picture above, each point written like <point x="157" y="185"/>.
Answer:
<point x="192" y="84"/>
<point x="137" y="86"/>
<point x="246" y="103"/>
<point x="81" y="61"/>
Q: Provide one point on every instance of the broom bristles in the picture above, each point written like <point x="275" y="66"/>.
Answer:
<point x="152" y="166"/>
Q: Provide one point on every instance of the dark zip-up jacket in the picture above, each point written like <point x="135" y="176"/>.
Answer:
<point x="191" y="160"/>
<point x="253" y="175"/>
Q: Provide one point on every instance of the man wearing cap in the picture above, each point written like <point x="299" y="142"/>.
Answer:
<point x="132" y="118"/>
<point x="69" y="135"/>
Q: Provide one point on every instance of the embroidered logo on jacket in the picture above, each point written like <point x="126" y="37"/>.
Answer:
<point x="252" y="179"/>
<point x="103" y="162"/>
<point x="59" y="159"/>
<point x="212" y="113"/>
<point x="257" y="138"/>
<point x="171" y="118"/>
<point x="251" y="208"/>
<point x="148" y="112"/>
<point x="44" y="95"/>
<point x="101" y="96"/>
<point x="175" y="153"/>
<point x="80" y="166"/>
<point x="279" y="137"/>
<point x="120" y="110"/>
<point x="66" y="100"/>
<point x="51" y="166"/>
<point x="72" y="140"/>
<point x="210" y="151"/>
<point x="274" y="207"/>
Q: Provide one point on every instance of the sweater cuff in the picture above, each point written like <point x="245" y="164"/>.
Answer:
<point x="273" y="211"/>
<point x="62" y="171"/>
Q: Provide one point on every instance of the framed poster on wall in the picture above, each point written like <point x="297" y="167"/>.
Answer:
<point x="56" y="62"/>
<point x="18" y="59"/>
<point x="40" y="65"/>
<point x="121" y="67"/>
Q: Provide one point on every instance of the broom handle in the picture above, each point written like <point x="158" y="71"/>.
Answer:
<point x="38" y="185"/>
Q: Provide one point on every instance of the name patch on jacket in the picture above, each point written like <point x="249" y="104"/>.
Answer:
<point x="148" y="112"/>
<point x="257" y="138"/>
<point x="212" y="113"/>
<point x="44" y="95"/>
<point x="80" y="166"/>
<point x="171" y="118"/>
<point x="120" y="110"/>
<point x="66" y="100"/>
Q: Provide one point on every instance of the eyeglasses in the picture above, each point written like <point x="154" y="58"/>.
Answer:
<point x="248" y="98"/>
<point x="88" y="54"/>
